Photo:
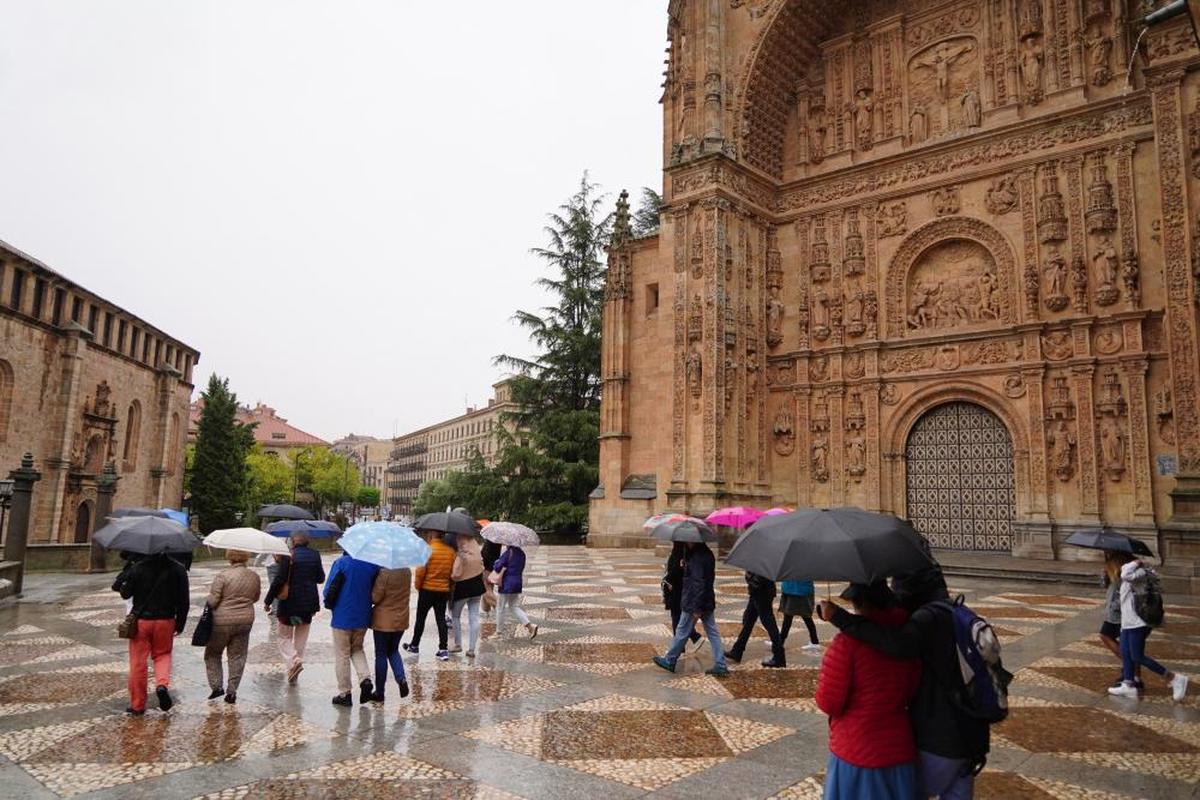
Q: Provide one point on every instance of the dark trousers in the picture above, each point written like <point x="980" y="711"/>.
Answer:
<point x="435" y="601"/>
<point x="758" y="609"/>
<point x="387" y="651"/>
<point x="787" y="627"/>
<point x="675" y="614"/>
<point x="1133" y="653"/>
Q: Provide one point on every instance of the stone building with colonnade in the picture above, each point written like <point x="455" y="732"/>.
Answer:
<point x="930" y="258"/>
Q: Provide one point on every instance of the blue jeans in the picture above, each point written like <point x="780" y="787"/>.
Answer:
<point x="1133" y="653"/>
<point x="387" y="651"/>
<point x="687" y="623"/>
<point x="944" y="778"/>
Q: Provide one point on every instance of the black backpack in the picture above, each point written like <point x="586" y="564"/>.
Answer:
<point x="1148" y="599"/>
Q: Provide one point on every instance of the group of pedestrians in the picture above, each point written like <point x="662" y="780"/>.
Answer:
<point x="460" y="575"/>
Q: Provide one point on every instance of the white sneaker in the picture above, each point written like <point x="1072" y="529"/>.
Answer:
<point x="1179" y="686"/>
<point x="1125" y="689"/>
<point x="812" y="647"/>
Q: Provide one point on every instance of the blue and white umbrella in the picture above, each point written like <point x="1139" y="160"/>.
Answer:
<point x="386" y="544"/>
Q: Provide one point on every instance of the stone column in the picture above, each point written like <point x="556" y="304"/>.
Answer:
<point x="1082" y="376"/>
<point x="106" y="488"/>
<point x="18" y="522"/>
<point x="714" y="28"/>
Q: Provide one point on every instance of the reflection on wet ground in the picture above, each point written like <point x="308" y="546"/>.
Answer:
<point x="577" y="711"/>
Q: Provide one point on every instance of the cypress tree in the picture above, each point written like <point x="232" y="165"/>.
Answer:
<point x="218" y="480"/>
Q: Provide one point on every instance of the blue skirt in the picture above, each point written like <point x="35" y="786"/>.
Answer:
<point x="845" y="781"/>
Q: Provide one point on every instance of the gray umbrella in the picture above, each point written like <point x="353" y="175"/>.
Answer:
<point x="839" y="544"/>
<point x="447" y="522"/>
<point x="684" y="529"/>
<point x="284" y="511"/>
<point x="122" y="513"/>
<point x="146" y="535"/>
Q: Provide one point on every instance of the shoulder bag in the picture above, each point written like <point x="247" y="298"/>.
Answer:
<point x="286" y="590"/>
<point x="204" y="627"/>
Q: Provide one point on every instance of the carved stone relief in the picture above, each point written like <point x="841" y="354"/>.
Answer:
<point x="941" y="78"/>
<point x="893" y="220"/>
<point x="1111" y="407"/>
<point x="1107" y="268"/>
<point x="953" y="285"/>
<point x="1101" y="213"/>
<point x="889" y="394"/>
<point x="1052" y="214"/>
<point x="784" y="431"/>
<point x="1057" y="345"/>
<point x="1014" y="385"/>
<point x="1055" y="281"/>
<point x="1002" y="197"/>
<point x="1108" y="340"/>
<point x="1060" y="437"/>
<point x="945" y="200"/>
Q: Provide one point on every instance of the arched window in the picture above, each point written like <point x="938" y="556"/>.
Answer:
<point x="174" y="456"/>
<point x="6" y="395"/>
<point x="133" y="431"/>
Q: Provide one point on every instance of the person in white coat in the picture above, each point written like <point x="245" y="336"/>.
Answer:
<point x="1134" y="632"/>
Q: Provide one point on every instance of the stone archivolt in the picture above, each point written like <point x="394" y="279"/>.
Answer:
<point x="917" y="203"/>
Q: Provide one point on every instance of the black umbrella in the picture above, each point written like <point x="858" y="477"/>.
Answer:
<point x="284" y="511"/>
<point x="313" y="527"/>
<point x="122" y="513"/>
<point x="447" y="522"/>
<point x="684" y="529"/>
<point x="1108" y="539"/>
<point x="146" y="535"/>
<point x="839" y="544"/>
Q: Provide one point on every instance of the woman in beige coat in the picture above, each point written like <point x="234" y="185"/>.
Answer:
<point x="469" y="587"/>
<point x="234" y="592"/>
<point x="389" y="619"/>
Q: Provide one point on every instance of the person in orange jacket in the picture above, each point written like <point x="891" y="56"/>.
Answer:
<point x="433" y="586"/>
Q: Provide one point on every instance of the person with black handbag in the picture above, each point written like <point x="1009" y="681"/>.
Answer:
<point x="158" y="586"/>
<point x="231" y="599"/>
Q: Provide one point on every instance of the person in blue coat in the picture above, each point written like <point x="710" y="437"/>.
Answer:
<point x="698" y="602"/>
<point x="348" y="595"/>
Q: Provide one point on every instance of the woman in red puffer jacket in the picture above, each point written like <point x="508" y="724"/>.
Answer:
<point x="872" y="753"/>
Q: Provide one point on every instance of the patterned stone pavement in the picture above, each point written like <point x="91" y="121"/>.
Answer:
<point x="577" y="712"/>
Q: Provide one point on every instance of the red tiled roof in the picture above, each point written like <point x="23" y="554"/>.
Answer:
<point x="271" y="430"/>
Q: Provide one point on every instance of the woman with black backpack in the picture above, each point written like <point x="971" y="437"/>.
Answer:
<point x="1141" y="606"/>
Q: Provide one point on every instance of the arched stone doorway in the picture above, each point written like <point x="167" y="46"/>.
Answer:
<point x="83" y="522"/>
<point x="960" y="478"/>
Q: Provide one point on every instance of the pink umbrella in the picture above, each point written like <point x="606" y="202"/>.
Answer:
<point x="777" y="511"/>
<point x="735" y="516"/>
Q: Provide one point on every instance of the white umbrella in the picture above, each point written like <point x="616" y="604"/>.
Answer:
<point x="247" y="539"/>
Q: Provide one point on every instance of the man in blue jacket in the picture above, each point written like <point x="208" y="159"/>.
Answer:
<point x="348" y="595"/>
<point x="699" y="602"/>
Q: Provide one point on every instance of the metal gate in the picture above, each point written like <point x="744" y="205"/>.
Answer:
<point x="959" y="460"/>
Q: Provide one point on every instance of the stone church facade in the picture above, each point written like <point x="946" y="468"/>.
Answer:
<point x="930" y="258"/>
<point x="86" y="387"/>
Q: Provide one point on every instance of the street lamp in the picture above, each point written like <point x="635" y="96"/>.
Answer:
<point x="6" y="493"/>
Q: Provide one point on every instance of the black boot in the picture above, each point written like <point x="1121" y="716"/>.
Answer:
<point x="366" y="690"/>
<point x="732" y="656"/>
<point x="403" y="689"/>
<point x="777" y="660"/>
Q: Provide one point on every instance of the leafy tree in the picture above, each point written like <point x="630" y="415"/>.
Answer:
<point x="367" y="497"/>
<point x="269" y="479"/>
<point x="327" y="477"/>
<point x="645" y="218"/>
<point x="218" y="480"/>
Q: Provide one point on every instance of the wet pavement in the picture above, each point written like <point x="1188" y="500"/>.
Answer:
<point x="577" y="712"/>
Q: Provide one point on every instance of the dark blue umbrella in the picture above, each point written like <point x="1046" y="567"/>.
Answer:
<point x="283" y="511"/>
<point x="313" y="527"/>
<point x="122" y="513"/>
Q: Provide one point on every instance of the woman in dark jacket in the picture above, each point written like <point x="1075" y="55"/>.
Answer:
<point x="158" y="586"/>
<point x="300" y="573"/>
<point x="672" y="587"/>
<point x="759" y="608"/>
<point x="698" y="601"/>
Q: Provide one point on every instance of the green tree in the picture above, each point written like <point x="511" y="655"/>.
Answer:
<point x="327" y="477"/>
<point x="269" y="479"/>
<point x="367" y="497"/>
<point x="645" y="218"/>
<point x="218" y="480"/>
<point x="548" y="469"/>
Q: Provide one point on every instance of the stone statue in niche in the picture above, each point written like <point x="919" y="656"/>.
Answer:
<point x="856" y="454"/>
<point x="752" y="372"/>
<point x="1002" y="197"/>
<point x="945" y="200"/>
<point x="774" y="318"/>
<point x="1099" y="57"/>
<point x="1108" y="266"/>
<point x="893" y="220"/>
<point x="816" y="135"/>
<point x="819" y="265"/>
<point x="820" y="458"/>
<point x="863" y="114"/>
<point x="918" y="125"/>
<point x="972" y="110"/>
<point x="954" y="284"/>
<point x="1062" y="449"/>
<point x="1031" y="60"/>
<point x="820" y="314"/>
<point x="1029" y="18"/>
<point x="1056" y="281"/>
<point x="784" y="432"/>
<point x="854" y="310"/>
<point x="1112" y="447"/>
<point x="695" y="374"/>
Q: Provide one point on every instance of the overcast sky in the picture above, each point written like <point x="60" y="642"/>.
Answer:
<point x="333" y="200"/>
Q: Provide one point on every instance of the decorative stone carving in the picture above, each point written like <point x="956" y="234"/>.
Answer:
<point x="1061" y="444"/>
<point x="1193" y="123"/>
<point x="1111" y="407"/>
<point x="818" y="369"/>
<point x="756" y="8"/>
<point x="996" y="351"/>
<point x="942" y="71"/>
<point x="1032" y="288"/>
<point x="1029" y="19"/>
<point x="918" y="125"/>
<point x="1014" y="385"/>
<point x="855" y="307"/>
<point x="1164" y="415"/>
<point x="893" y="220"/>
<point x="784" y="432"/>
<point x="1109" y="340"/>
<point x="1055" y="274"/>
<point x="816" y="133"/>
<point x="1099" y="47"/>
<point x="820" y="458"/>
<point x="862" y="115"/>
<point x="1031" y="60"/>
<point x="856" y="455"/>
<point x="774" y="318"/>
<point x="1101" y="213"/>
<point x="1052" y="214"/>
<point x="819" y="263"/>
<point x="695" y="320"/>
<point x="1003" y="196"/>
<point x="854" y="365"/>
<point x="972" y="110"/>
<point x="101" y="406"/>
<point x="945" y="200"/>
<point x="1057" y="345"/>
<point x="954" y="285"/>
<point x="910" y="360"/>
<point x="853" y="260"/>
<point x="947" y="358"/>
<point x="820" y="314"/>
<point x="1107" y="271"/>
<point x="889" y="394"/>
<point x="695" y="374"/>
<point x="1131" y="277"/>
<point x="1079" y="285"/>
